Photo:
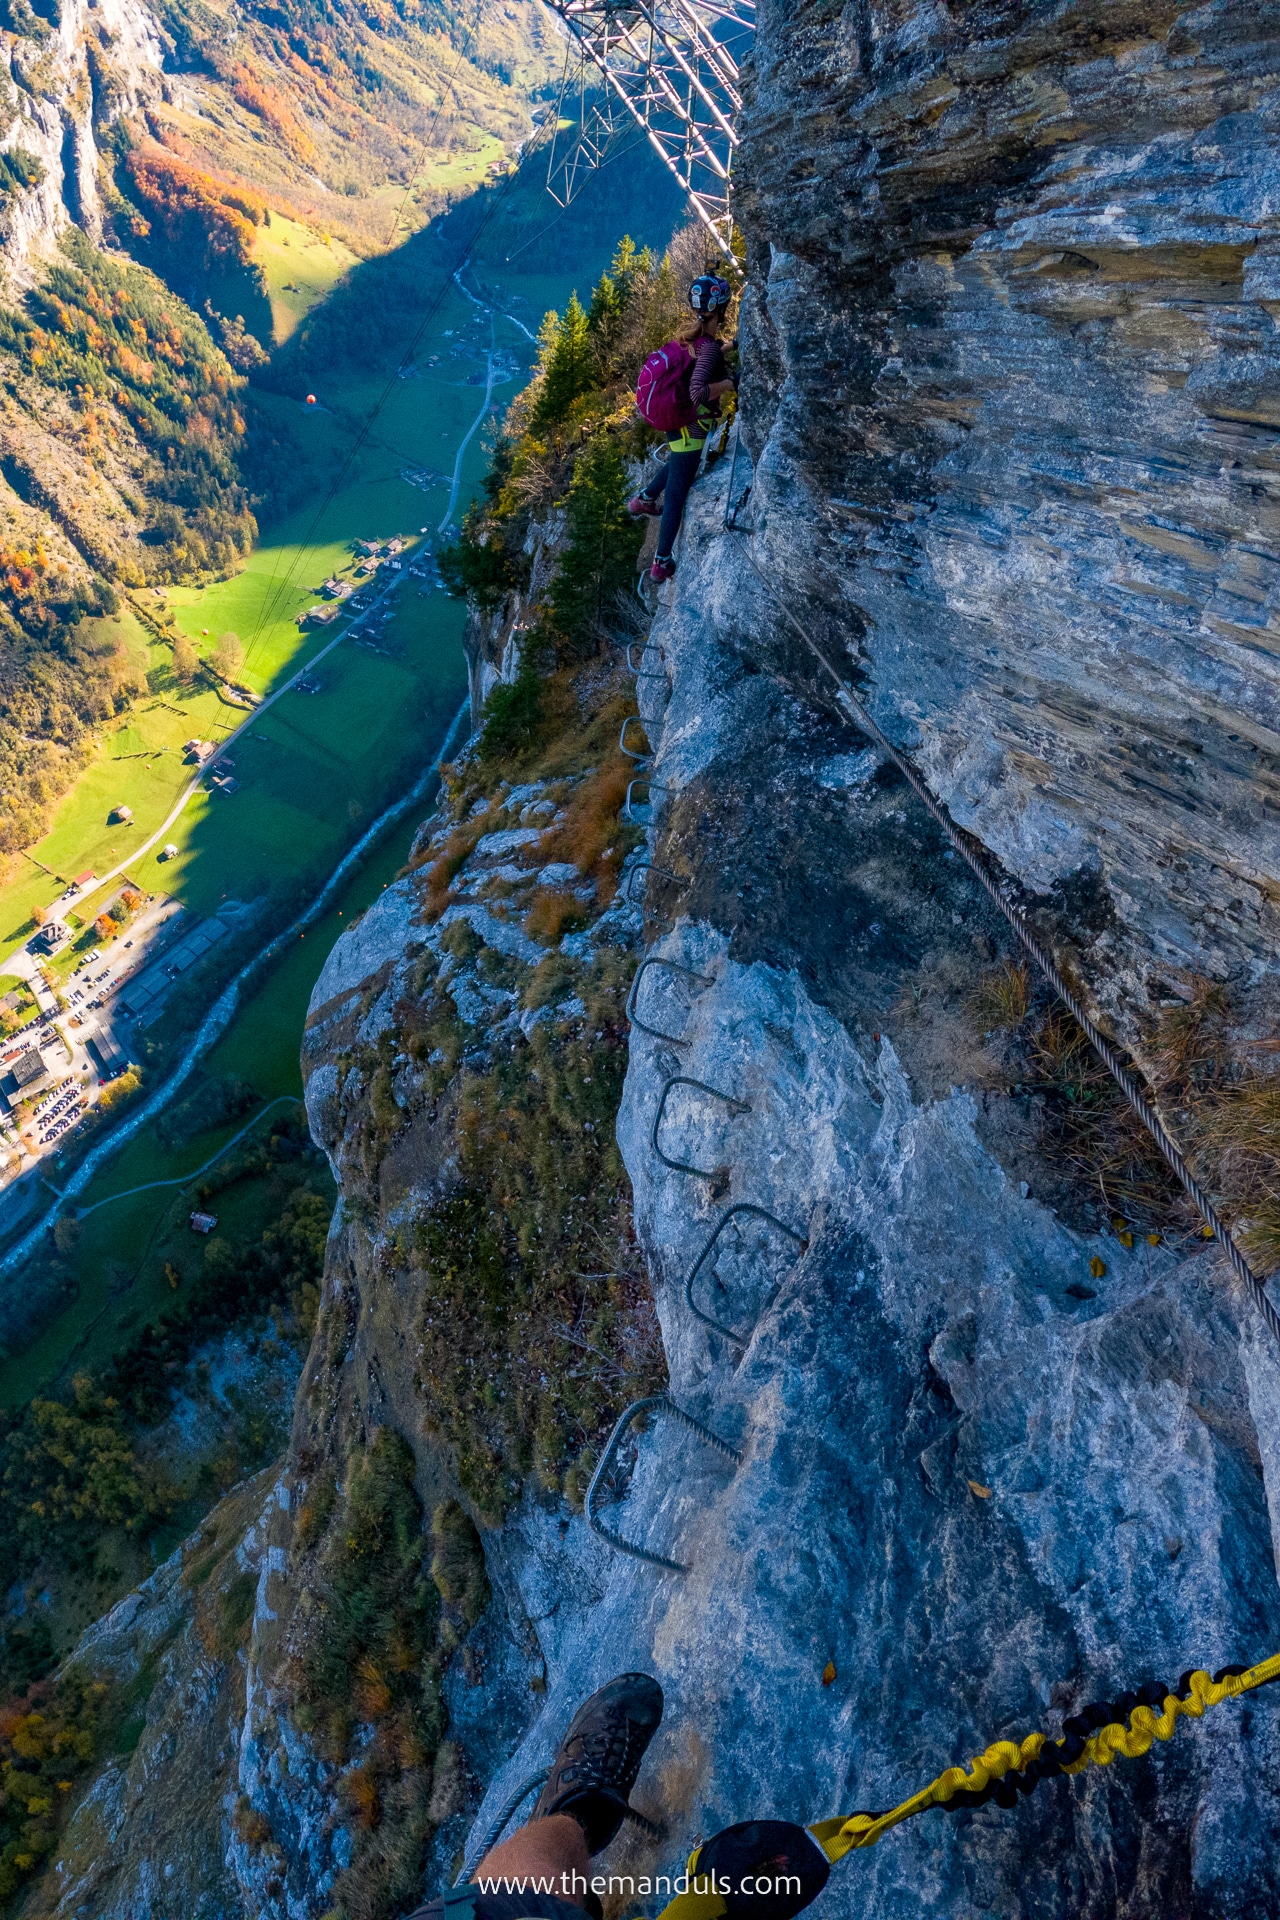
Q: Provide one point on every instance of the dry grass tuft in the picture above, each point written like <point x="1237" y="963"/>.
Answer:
<point x="1099" y="1134"/>
<point x="1225" y="1113"/>
<point x="1190" y="1047"/>
<point x="446" y="866"/>
<point x="552" y="915"/>
<point x="592" y="837"/>
<point x="1261" y="1236"/>
<point x="1002" y="998"/>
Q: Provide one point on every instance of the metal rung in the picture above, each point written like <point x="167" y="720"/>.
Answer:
<point x="654" y="786"/>
<point x="673" y="966"/>
<point x="499" y="1826"/>
<point x="718" y="1175"/>
<point x="646" y="866"/>
<point x="643" y="672"/>
<point x="760" y="1213"/>
<point x="656" y="1403"/>
<point x="640" y="758"/>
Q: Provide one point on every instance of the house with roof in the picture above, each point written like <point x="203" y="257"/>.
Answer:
<point x="27" y="1076"/>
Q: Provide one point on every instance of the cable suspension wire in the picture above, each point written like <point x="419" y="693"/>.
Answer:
<point x="974" y="857"/>
<point x="414" y="177"/>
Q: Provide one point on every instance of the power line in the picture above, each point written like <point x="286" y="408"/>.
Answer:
<point x="413" y="180"/>
<point x="426" y="142"/>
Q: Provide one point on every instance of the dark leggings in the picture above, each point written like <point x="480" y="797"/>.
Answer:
<point x="673" y="482"/>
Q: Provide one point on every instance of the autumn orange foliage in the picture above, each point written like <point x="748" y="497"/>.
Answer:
<point x="193" y="207"/>
<point x="21" y="570"/>
<point x="274" y="109"/>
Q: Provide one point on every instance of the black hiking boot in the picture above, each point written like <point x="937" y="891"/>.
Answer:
<point x="599" y="1758"/>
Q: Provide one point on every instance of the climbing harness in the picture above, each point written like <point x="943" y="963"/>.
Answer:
<point x="974" y="858"/>
<point x="655" y="1403"/>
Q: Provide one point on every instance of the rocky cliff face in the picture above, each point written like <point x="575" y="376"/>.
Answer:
<point x="1004" y="1450"/>
<point x="1012" y="335"/>
<point x="64" y="87"/>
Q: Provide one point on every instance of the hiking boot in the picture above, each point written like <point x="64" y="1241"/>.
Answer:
<point x="600" y="1756"/>
<point x="641" y="504"/>
<point x="662" y="570"/>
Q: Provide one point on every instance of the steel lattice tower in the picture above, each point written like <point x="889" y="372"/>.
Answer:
<point x="672" y="67"/>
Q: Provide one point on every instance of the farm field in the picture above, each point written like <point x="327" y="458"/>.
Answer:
<point x="301" y="268"/>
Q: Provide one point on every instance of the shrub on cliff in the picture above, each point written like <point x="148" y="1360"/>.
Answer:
<point x="67" y="1468"/>
<point x="49" y="1734"/>
<point x="367" y="1677"/>
<point x="19" y="171"/>
<point x="599" y="559"/>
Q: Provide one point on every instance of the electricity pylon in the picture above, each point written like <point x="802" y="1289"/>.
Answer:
<point x="673" y="66"/>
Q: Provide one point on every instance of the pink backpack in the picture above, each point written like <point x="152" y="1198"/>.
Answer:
<point x="662" y="391"/>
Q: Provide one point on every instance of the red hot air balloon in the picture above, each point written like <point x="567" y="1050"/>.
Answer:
<point x="311" y="399"/>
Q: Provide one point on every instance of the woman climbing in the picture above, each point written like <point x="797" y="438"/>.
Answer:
<point x="680" y="387"/>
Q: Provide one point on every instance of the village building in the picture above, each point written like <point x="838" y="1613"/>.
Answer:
<point x="27" y="1076"/>
<point x="106" y="1055"/>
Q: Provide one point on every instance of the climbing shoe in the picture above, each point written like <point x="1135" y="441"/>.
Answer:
<point x="640" y="504"/>
<point x="662" y="570"/>
<point x="600" y="1756"/>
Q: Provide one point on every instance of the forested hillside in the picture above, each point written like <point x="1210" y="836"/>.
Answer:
<point x="135" y="300"/>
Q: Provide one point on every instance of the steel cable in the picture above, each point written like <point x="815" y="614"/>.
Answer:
<point x="1169" y="1149"/>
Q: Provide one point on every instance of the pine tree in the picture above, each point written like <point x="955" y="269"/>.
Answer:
<point x="606" y="305"/>
<point x="569" y="367"/>
<point x="599" y="560"/>
<point x="628" y="262"/>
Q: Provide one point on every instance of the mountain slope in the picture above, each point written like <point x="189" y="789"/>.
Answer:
<point x="169" y="135"/>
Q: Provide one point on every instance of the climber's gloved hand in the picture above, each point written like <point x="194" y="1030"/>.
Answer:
<point x="763" y="1869"/>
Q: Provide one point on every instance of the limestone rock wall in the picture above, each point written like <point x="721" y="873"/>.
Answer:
<point x="1012" y="383"/>
<point x="104" y="58"/>
<point x="984" y="1482"/>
